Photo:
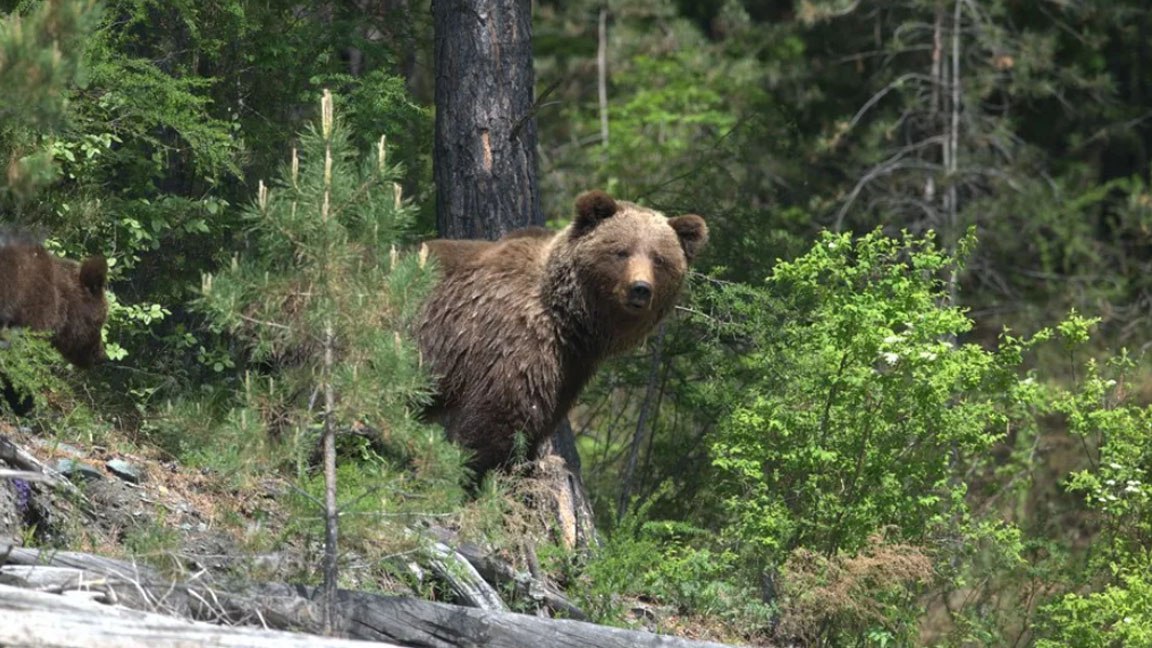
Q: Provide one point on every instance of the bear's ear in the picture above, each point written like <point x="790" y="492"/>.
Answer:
<point x="94" y="275"/>
<point x="591" y="208"/>
<point x="693" y="234"/>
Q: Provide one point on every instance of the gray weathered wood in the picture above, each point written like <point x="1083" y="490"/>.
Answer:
<point x="372" y="617"/>
<point x="26" y="475"/>
<point x="424" y="624"/>
<point x="499" y="573"/>
<point x="142" y="588"/>
<point x="463" y="578"/>
<point x="84" y="561"/>
<point x="52" y="621"/>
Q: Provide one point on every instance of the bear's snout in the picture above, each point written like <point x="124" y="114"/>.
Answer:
<point x="640" y="294"/>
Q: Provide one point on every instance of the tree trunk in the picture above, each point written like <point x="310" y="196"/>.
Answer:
<point x="647" y="407"/>
<point x="485" y="156"/>
<point x="485" y="168"/>
<point x="331" y="511"/>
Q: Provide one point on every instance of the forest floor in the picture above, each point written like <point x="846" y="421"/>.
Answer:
<point x="139" y="505"/>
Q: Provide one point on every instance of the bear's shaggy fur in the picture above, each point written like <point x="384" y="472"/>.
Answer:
<point x="44" y="293"/>
<point x="515" y="328"/>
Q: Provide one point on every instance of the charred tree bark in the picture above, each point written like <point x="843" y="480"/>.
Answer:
<point x="485" y="155"/>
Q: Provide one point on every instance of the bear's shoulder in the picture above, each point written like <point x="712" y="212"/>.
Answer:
<point x="533" y="232"/>
<point x="521" y="250"/>
<point x="453" y="255"/>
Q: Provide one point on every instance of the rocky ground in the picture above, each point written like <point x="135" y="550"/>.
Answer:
<point x="130" y="504"/>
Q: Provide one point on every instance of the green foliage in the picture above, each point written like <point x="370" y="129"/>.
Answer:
<point x="1115" y="486"/>
<point x="676" y="104"/>
<point x="671" y="564"/>
<point x="380" y="497"/>
<point x="847" y="418"/>
<point x="177" y="103"/>
<point x="860" y="403"/>
<point x="1118" y="615"/>
<point x="39" y="61"/>
<point x="839" y="114"/>
<point x="155" y="110"/>
<point x="680" y="108"/>
<point x="319" y="304"/>
<point x="860" y="421"/>
<point x="26" y="365"/>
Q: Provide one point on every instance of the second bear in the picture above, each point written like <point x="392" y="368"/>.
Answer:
<point x="515" y="328"/>
<point x="41" y="292"/>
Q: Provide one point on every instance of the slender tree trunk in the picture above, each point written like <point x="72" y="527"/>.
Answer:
<point x="647" y="407"/>
<point x="331" y="512"/>
<point x="485" y="155"/>
<point x="602" y="74"/>
<point x="951" y="165"/>
<point x="485" y="169"/>
<point x="937" y="90"/>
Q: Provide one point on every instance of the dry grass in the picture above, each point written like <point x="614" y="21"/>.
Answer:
<point x="848" y="591"/>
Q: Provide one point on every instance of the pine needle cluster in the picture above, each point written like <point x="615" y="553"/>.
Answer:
<point x="39" y="64"/>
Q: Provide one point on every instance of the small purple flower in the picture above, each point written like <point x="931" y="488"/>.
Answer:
<point x="23" y="495"/>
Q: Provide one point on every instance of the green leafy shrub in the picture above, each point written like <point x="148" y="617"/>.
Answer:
<point x="1112" y="605"/>
<point x="860" y="442"/>
<point x="1118" y="615"/>
<point x="672" y="564"/>
<point x="857" y="400"/>
<point x="854" y="403"/>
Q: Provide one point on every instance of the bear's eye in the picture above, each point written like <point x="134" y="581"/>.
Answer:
<point x="621" y="253"/>
<point x="659" y="260"/>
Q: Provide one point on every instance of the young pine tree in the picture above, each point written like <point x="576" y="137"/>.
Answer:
<point x="320" y="303"/>
<point x="39" y="61"/>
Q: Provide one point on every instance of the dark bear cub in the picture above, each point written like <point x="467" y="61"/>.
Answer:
<point x="41" y="292"/>
<point x="515" y="328"/>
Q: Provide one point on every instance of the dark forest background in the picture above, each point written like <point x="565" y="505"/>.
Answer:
<point x="905" y="401"/>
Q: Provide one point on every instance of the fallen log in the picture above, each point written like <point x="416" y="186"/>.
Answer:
<point x="468" y="585"/>
<point x="53" y="621"/>
<point x="500" y="573"/>
<point x="424" y="624"/>
<point x="142" y="588"/>
<point x="361" y="615"/>
<point x="84" y="561"/>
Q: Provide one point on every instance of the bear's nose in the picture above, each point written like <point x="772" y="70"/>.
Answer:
<point x="639" y="294"/>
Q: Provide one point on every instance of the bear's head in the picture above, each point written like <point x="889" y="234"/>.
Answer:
<point x="634" y="259"/>
<point x="79" y="338"/>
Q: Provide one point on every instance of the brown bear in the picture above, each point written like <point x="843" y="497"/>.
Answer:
<point x="43" y="293"/>
<point x="515" y="328"/>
